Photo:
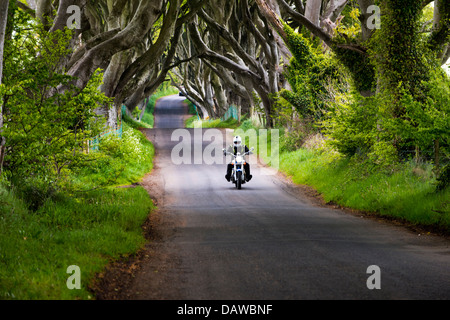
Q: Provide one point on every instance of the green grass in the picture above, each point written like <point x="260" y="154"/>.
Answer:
<point x="194" y="122"/>
<point x="85" y="225"/>
<point x="136" y="124"/>
<point x="87" y="230"/>
<point x="407" y="193"/>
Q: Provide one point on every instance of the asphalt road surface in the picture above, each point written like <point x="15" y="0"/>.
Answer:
<point x="268" y="241"/>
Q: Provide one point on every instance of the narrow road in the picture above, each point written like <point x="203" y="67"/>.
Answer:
<point x="267" y="241"/>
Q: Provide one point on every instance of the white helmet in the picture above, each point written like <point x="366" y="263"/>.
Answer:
<point x="237" y="141"/>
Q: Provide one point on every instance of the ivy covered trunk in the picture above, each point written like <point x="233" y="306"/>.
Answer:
<point x="399" y="56"/>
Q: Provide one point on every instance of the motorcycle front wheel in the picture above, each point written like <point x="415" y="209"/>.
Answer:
<point x="238" y="179"/>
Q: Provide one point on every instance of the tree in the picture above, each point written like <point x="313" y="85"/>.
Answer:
<point x="242" y="52"/>
<point x="123" y="38"/>
<point x="46" y="130"/>
<point x="232" y="51"/>
<point x="387" y="65"/>
<point x="3" y="21"/>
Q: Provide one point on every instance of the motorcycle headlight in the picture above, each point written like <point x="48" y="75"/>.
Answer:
<point x="239" y="159"/>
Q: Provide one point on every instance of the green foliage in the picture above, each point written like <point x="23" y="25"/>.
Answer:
<point x="34" y="191"/>
<point x="136" y="113"/>
<point x="86" y="230"/>
<point x="148" y="119"/>
<point x="351" y="125"/>
<point x="410" y="109"/>
<point x="48" y="121"/>
<point x="309" y="73"/>
<point x="88" y="225"/>
<point x="424" y="122"/>
<point x="118" y="161"/>
<point x="348" y="32"/>
<point x="247" y="125"/>
<point x="365" y="126"/>
<point x="360" y="67"/>
<point x="291" y="141"/>
<point x="350" y="28"/>
<point x="399" y="52"/>
<point x="443" y="180"/>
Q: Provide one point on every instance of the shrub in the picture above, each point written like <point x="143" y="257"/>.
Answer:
<point x="443" y="180"/>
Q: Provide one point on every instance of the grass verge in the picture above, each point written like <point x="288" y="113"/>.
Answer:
<point x="84" y="225"/>
<point x="406" y="193"/>
<point x="194" y="122"/>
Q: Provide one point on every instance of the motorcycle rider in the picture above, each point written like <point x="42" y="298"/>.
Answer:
<point x="235" y="148"/>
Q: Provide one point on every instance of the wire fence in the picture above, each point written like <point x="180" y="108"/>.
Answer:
<point x="94" y="142"/>
<point x="232" y="112"/>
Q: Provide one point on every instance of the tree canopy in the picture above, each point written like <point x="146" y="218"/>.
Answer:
<point x="267" y="57"/>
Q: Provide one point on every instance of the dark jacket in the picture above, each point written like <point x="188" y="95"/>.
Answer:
<point x="242" y="149"/>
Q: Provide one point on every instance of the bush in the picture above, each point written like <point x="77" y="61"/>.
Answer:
<point x="118" y="160"/>
<point x="351" y="126"/>
<point x="443" y="180"/>
<point x="291" y="141"/>
<point x="34" y="192"/>
<point x="247" y="125"/>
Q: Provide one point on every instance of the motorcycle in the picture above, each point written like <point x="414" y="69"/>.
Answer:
<point x="238" y="172"/>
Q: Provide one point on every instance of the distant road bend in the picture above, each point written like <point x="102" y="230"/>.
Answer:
<point x="266" y="242"/>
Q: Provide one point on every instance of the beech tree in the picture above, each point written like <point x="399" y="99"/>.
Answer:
<point x="323" y="20"/>
<point x="233" y="55"/>
<point x="132" y="41"/>
<point x="238" y="52"/>
<point x="395" y="64"/>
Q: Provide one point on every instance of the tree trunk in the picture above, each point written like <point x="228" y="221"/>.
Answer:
<point x="3" y="21"/>
<point x="312" y="11"/>
<point x="366" y="32"/>
<point x="439" y="40"/>
<point x="44" y="11"/>
<point x="143" y="20"/>
<point x="219" y="93"/>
